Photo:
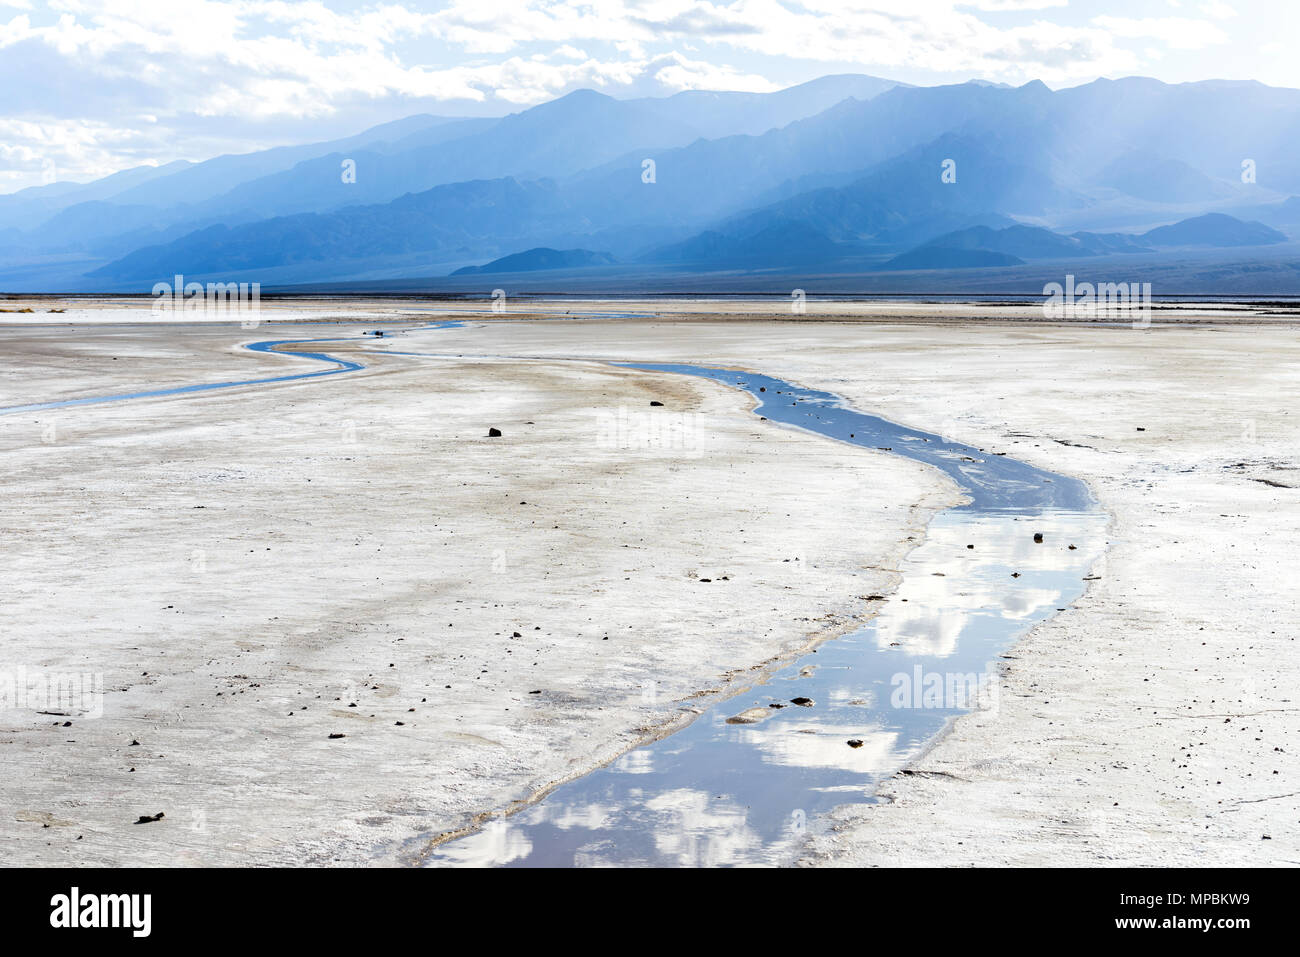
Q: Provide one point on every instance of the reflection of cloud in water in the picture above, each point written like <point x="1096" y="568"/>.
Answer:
<point x="499" y="842"/>
<point x="695" y="831"/>
<point x="592" y="817"/>
<point x="640" y="761"/>
<point x="591" y="855"/>
<point x="785" y="744"/>
<point x="955" y="598"/>
<point x="848" y="695"/>
<point x="919" y="631"/>
<point x="1024" y="603"/>
<point x="929" y="613"/>
<point x="690" y="828"/>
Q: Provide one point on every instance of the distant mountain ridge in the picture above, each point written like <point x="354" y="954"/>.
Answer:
<point x="540" y="257"/>
<point x="982" y="246"/>
<point x="1214" y="229"/>
<point x="775" y="244"/>
<point x="446" y="218"/>
<point x="962" y="176"/>
<point x="557" y="138"/>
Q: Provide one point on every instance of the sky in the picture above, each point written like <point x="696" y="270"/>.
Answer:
<point x="88" y="88"/>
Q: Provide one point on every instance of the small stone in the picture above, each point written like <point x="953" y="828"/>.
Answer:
<point x="1038" y="537"/>
<point x="494" y="433"/>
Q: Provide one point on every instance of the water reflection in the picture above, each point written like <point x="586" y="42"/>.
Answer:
<point x="721" y="793"/>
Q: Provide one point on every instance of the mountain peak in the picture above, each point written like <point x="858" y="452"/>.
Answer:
<point x="584" y="95"/>
<point x="540" y="258"/>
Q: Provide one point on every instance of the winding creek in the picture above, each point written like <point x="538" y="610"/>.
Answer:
<point x="752" y="773"/>
<point x="743" y="783"/>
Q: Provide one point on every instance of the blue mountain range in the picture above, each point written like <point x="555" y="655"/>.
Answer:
<point x="848" y="175"/>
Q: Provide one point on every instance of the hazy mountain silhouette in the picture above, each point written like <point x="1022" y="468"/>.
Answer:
<point x="558" y="138"/>
<point x="775" y="244"/>
<point x="972" y="172"/>
<point x="531" y="260"/>
<point x="939" y="257"/>
<point x="1147" y="176"/>
<point x="729" y="114"/>
<point x="1018" y="242"/>
<point x="456" y="216"/>
<point x="1213" y="229"/>
<point x="175" y="190"/>
<point x="955" y="249"/>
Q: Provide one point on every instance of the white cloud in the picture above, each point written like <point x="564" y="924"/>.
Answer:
<point x="254" y="70"/>
<point x="1179" y="33"/>
<point x="1218" y="9"/>
<point x="1008" y="5"/>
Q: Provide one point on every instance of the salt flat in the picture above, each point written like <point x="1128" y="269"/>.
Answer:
<point x="1155" y="721"/>
<point x="308" y="536"/>
<point x="254" y="570"/>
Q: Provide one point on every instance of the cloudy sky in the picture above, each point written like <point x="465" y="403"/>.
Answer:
<point x="87" y="88"/>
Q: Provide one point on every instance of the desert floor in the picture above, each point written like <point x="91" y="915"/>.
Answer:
<point x="243" y="566"/>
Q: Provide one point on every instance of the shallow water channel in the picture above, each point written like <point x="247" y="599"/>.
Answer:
<point x="745" y="780"/>
<point x="751" y="774"/>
